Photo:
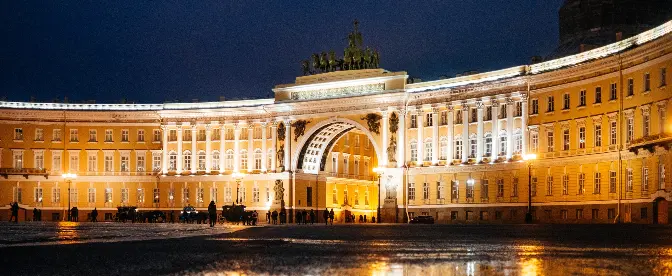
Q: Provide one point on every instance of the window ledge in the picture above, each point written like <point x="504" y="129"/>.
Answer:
<point x="581" y="107"/>
<point x="612" y="100"/>
<point x="92" y="142"/>
<point x="108" y="142"/>
<point x="74" y="142"/>
<point x="565" y="110"/>
<point x="597" y="104"/>
<point x="140" y="142"/>
<point x="629" y="97"/>
<point x="156" y="142"/>
<point x="646" y="91"/>
<point x="18" y="141"/>
<point x="534" y="115"/>
<point x="39" y="141"/>
<point x="549" y="112"/>
<point x="56" y="141"/>
<point x="662" y="87"/>
<point x="124" y="142"/>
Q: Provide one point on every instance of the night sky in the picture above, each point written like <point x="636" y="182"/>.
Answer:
<point x="156" y="51"/>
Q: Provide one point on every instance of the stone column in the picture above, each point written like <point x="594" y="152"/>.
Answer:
<point x="236" y="147"/>
<point x="509" y="128"/>
<point x="495" y="130"/>
<point x="194" y="161"/>
<point x="208" y="148"/>
<point x="274" y="142"/>
<point x="288" y="144"/>
<point x="451" y="121"/>
<point x="250" y="147"/>
<point x="401" y="141"/>
<point x="222" y="147"/>
<point x="420" y="119"/>
<point x="164" y="158"/>
<point x="384" y="138"/>
<point x="465" y="132"/>
<point x="523" y="128"/>
<point x="435" y="136"/>
<point x="179" y="149"/>
<point x="264" y="155"/>
<point x="479" y="131"/>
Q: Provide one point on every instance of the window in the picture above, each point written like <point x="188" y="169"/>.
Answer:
<point x="73" y="195"/>
<point x="661" y="119"/>
<point x="470" y="188"/>
<point x="429" y="119"/>
<point x="453" y="215"/>
<point x="215" y="161"/>
<point x="502" y="111"/>
<point x="200" y="135"/>
<point x="92" y="163"/>
<point x="172" y="135"/>
<point x="631" y="87"/>
<point x="582" y="98"/>
<point x="55" y="195"/>
<point x="39" y="134"/>
<point x="440" y="191"/>
<point x="613" y="92"/>
<point x="141" y="135"/>
<point x="38" y="195"/>
<point x="500" y="187"/>
<point x="444" y="118"/>
<point x="269" y="159"/>
<point x="357" y="143"/>
<point x="551" y="104"/>
<point x="125" y="163"/>
<point x="172" y="161"/>
<point x="185" y="195"/>
<point x="534" y="144"/>
<point x="92" y="195"/>
<point x="565" y="104"/>
<point x="661" y="176"/>
<point x="155" y="195"/>
<point x="268" y="195"/>
<point x="346" y="168"/>
<point x="414" y="121"/>
<point x="458" y="117"/>
<point x="93" y="135"/>
<point x="140" y="162"/>
<point x="257" y="133"/>
<point x="414" y="151"/>
<point x="55" y="161"/>
<point x="663" y="77"/>
<point x="229" y="134"/>
<point x="156" y="162"/>
<point x="411" y="191"/>
<point x="74" y="136"/>
<point x="227" y="194"/>
<point x="186" y="135"/>
<point x="612" y="133"/>
<point x="201" y="161"/>
<point x="550" y="144"/>
<point x="309" y="196"/>
<point x="443" y="148"/>
<point x="39" y="160"/>
<point x="108" y="163"/>
<point x="488" y="113"/>
<point x="474" y="115"/>
<point x="124" y="135"/>
<point x="514" y="187"/>
<point x="579" y="213"/>
<point x="582" y="183"/>
<point x="366" y="198"/>
<point x="186" y="161"/>
<point x="645" y="179"/>
<point x="597" y="183"/>
<point x="473" y="146"/>
<point x="519" y="109"/>
<point x="582" y="137"/>
<point x="535" y="106"/>
<point x="18" y="134"/>
<point x="141" y="196"/>
<point x="630" y="126"/>
<point x="200" y="195"/>
<point x="74" y="163"/>
<point x="57" y="135"/>
<point x="108" y="195"/>
<point x="611" y="213"/>
<point x="565" y="184"/>
<point x="645" y="124"/>
<point x="255" y="194"/>
<point x="17" y="157"/>
<point x="108" y="135"/>
<point x="228" y="160"/>
<point x="533" y="186"/>
<point x="454" y="190"/>
<point x="488" y="145"/>
<point x="518" y="142"/>
<point x="598" y="135"/>
<point x="647" y="82"/>
<point x="628" y="180"/>
<point x="549" y="185"/>
<point x="124" y="195"/>
<point x="457" y="150"/>
<point x="612" y="181"/>
<point x="243" y="159"/>
<point x="598" y="94"/>
<point x="156" y="136"/>
<point x="425" y="191"/>
<point x="595" y="214"/>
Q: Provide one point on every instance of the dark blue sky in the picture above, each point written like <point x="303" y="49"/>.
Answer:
<point x="153" y="51"/>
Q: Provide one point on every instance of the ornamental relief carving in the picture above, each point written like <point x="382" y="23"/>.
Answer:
<point x="338" y="92"/>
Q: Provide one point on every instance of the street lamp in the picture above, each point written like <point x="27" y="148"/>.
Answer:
<point x="379" y="171"/>
<point x="68" y="177"/>
<point x="238" y="176"/>
<point x="529" y="158"/>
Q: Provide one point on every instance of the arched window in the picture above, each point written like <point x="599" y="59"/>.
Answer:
<point x="488" y="144"/>
<point x="172" y="161"/>
<point x="201" y="161"/>
<point x="228" y="160"/>
<point x="458" y="147"/>
<point x="186" y="156"/>
<point x="269" y="160"/>
<point x="215" y="160"/>
<point x="414" y="151"/>
<point x="257" y="159"/>
<point x="428" y="149"/>
<point x="517" y="141"/>
<point x="443" y="148"/>
<point x="502" y="143"/>
<point x="473" y="145"/>
<point x="243" y="160"/>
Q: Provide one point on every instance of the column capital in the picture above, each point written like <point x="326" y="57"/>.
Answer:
<point x="435" y="110"/>
<point x="450" y="107"/>
<point x="465" y="106"/>
<point x="509" y="100"/>
<point x="479" y="104"/>
<point x="193" y="128"/>
<point x="274" y="124"/>
<point x="384" y="112"/>
<point x="250" y="126"/>
<point x="179" y="129"/>
<point x="208" y="127"/>
<point x="264" y="124"/>
<point x="523" y="96"/>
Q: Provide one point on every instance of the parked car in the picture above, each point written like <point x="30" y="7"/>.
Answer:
<point x="423" y="220"/>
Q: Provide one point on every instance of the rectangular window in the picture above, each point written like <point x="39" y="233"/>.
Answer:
<point x="502" y="111"/>
<point x="425" y="191"/>
<point x="108" y="195"/>
<point x="227" y="194"/>
<point x="612" y="133"/>
<point x="488" y="113"/>
<point x="549" y="185"/>
<point x="646" y="120"/>
<point x="514" y="187"/>
<point x="444" y="118"/>
<point x="663" y="77"/>
<point x="155" y="195"/>
<point x="598" y="135"/>
<point x="93" y="135"/>
<point x="484" y="188"/>
<point x="92" y="195"/>
<point x="613" y="92"/>
<point x="55" y="162"/>
<point x="550" y="144"/>
<point x="186" y="135"/>
<point x="534" y="137"/>
<point x="141" y="135"/>
<point x="74" y="137"/>
<point x="108" y="135"/>
<point x="200" y="135"/>
<point x="565" y="139"/>
<point x="612" y="181"/>
<point x="661" y="176"/>
<point x="124" y="135"/>
<point x="595" y="214"/>
<point x="185" y="195"/>
<point x="255" y="194"/>
<point x="156" y="162"/>
<point x="598" y="94"/>
<point x="74" y="163"/>
<point x="628" y="180"/>
<point x="500" y="187"/>
<point x="39" y="160"/>
<point x="474" y="115"/>
<point x="563" y="214"/>
<point x="440" y="191"/>
<point x="519" y="109"/>
<point x="582" y="137"/>
<point x="156" y="136"/>
<point x="565" y="184"/>
<point x="630" y="127"/>
<point x="92" y="163"/>
<point x="470" y="188"/>
<point x="645" y="179"/>
<point x="125" y="163"/>
<point x="414" y="121"/>
<point x="124" y="195"/>
<point x="73" y="195"/>
<point x="172" y="135"/>
<point x="611" y="213"/>
<point x="38" y="195"/>
<point x="535" y="106"/>
<point x="141" y="196"/>
<point x="56" y="195"/>
<point x="579" y="213"/>
<point x="631" y="87"/>
<point x="597" y="183"/>
<point x="39" y="134"/>
<point x="411" y="191"/>
<point x="454" y="190"/>
<point x="57" y="135"/>
<point x="108" y="163"/>
<point x="140" y="163"/>
<point x="430" y="119"/>
<point x="309" y="196"/>
<point x="216" y="134"/>
<point x="458" y="117"/>
<point x="533" y="186"/>
<point x="458" y="149"/>
<point x="582" y="183"/>
<point x="565" y="102"/>
<point x="582" y="98"/>
<point x="18" y="134"/>
<point x="647" y="82"/>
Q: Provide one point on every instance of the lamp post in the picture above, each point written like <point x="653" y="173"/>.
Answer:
<point x="68" y="177"/>
<point x="379" y="171"/>
<point x="238" y="176"/>
<point x="529" y="158"/>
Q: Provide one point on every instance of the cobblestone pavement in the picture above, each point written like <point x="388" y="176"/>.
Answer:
<point x="363" y="250"/>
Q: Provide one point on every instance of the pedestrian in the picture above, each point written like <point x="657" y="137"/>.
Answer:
<point x="212" y="211"/>
<point x="304" y="217"/>
<point x="274" y="217"/>
<point x="373" y="219"/>
<point x="312" y="217"/>
<point x="172" y="216"/>
<point x="73" y="214"/>
<point x="331" y="216"/>
<point x="361" y="218"/>
<point x="35" y="214"/>
<point x="365" y="219"/>
<point x="325" y="216"/>
<point x="268" y="217"/>
<point x="298" y="217"/>
<point x="15" y="212"/>
<point x="94" y="215"/>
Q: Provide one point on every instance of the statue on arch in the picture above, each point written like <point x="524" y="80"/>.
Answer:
<point x="279" y="190"/>
<point x="281" y="155"/>
<point x="305" y="66"/>
<point x="392" y="150"/>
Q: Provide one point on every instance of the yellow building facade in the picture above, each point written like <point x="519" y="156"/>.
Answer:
<point x="454" y="149"/>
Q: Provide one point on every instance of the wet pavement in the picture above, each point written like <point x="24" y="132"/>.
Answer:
<point x="354" y="250"/>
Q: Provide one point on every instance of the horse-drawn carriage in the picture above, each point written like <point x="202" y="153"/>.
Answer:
<point x="190" y="215"/>
<point x="237" y="214"/>
<point x="125" y="213"/>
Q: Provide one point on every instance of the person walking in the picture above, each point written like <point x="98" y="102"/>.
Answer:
<point x="325" y="216"/>
<point x="212" y="212"/>
<point x="331" y="216"/>
<point x="312" y="217"/>
<point x="94" y="215"/>
<point x="274" y="217"/>
<point x="268" y="217"/>
<point x="35" y="214"/>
